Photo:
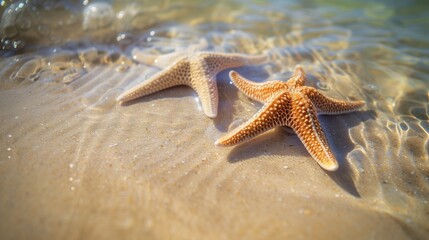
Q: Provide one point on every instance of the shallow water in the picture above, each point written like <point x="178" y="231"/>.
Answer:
<point x="75" y="164"/>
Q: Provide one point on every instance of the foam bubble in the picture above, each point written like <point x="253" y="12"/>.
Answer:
<point x="97" y="15"/>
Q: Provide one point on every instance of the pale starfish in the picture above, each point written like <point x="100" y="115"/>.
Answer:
<point x="198" y="71"/>
<point x="293" y="105"/>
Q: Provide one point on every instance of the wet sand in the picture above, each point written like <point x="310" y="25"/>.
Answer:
<point x="73" y="169"/>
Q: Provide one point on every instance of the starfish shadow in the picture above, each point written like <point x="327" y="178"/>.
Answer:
<point x="271" y="142"/>
<point x="335" y="126"/>
<point x="173" y="92"/>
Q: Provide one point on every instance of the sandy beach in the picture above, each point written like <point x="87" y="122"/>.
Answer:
<point x="75" y="164"/>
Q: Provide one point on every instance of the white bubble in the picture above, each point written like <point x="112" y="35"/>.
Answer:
<point x="323" y="86"/>
<point x="97" y="15"/>
<point x="120" y="14"/>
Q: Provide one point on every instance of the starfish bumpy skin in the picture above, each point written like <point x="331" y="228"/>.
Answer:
<point x="293" y="105"/>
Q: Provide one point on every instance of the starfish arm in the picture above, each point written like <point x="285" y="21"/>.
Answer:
<point x="176" y="74"/>
<point x="298" y="77"/>
<point x="217" y="62"/>
<point x="275" y="113"/>
<point x="309" y="131"/>
<point x="261" y="92"/>
<point x="328" y="106"/>
<point x="206" y="89"/>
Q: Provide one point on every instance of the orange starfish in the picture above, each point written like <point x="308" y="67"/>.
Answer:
<point x="293" y="105"/>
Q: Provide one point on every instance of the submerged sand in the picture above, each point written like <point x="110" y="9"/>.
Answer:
<point x="74" y="164"/>
<point x="81" y="166"/>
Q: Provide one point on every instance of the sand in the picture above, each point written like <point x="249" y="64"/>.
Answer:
<point x="75" y="166"/>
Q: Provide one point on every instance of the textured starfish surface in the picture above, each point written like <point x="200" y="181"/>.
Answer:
<point x="198" y="71"/>
<point x="293" y="105"/>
